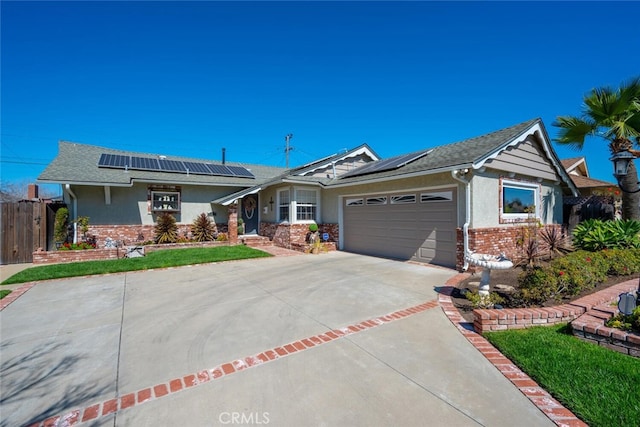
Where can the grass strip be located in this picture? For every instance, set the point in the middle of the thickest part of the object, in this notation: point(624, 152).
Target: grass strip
point(599, 385)
point(157, 259)
point(4, 293)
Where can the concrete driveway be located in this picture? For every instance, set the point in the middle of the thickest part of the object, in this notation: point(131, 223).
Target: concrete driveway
point(330, 340)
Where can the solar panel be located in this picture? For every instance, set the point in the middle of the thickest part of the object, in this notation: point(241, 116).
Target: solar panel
point(152, 164)
point(197, 168)
point(220, 170)
point(114, 161)
point(240, 171)
point(144, 163)
point(172, 166)
point(385, 165)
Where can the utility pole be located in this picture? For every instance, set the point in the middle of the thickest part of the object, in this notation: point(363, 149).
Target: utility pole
point(287, 148)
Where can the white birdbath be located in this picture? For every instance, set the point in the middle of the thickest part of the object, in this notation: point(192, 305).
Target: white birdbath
point(488, 263)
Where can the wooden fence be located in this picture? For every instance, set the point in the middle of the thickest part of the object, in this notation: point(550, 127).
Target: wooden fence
point(23, 229)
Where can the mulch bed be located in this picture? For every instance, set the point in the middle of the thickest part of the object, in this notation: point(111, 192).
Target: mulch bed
point(505, 282)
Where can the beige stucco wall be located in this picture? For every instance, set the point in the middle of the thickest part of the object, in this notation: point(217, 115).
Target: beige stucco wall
point(485, 200)
point(129, 204)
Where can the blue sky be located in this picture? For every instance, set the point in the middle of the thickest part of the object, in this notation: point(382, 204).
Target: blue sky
point(189, 78)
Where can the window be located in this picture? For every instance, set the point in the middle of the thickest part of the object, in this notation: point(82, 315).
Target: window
point(165, 201)
point(403, 199)
point(355, 202)
point(519, 200)
point(306, 205)
point(379, 200)
point(283, 205)
point(442, 196)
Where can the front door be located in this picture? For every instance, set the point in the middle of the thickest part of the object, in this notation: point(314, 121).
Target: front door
point(249, 208)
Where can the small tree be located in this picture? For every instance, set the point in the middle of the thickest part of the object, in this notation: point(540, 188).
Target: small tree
point(60, 226)
point(166, 230)
point(202, 228)
point(83, 223)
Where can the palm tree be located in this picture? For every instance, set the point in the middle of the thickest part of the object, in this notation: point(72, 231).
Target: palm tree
point(613, 115)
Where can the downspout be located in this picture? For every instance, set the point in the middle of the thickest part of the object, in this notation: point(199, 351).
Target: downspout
point(75, 212)
point(465, 227)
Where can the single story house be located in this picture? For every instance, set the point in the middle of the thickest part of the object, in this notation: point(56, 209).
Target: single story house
point(429, 206)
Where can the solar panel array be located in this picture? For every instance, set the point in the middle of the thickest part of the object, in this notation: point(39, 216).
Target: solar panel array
point(385, 165)
point(118, 161)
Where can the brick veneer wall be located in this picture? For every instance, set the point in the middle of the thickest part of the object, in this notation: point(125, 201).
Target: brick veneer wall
point(131, 234)
point(59, 257)
point(496, 240)
point(294, 236)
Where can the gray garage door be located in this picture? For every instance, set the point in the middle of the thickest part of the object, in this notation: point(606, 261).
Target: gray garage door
point(419, 225)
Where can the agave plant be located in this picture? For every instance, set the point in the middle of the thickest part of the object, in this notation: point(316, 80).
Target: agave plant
point(595, 234)
point(166, 230)
point(202, 228)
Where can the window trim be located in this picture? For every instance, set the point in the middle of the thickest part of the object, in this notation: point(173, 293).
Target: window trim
point(519, 185)
point(279, 201)
point(294, 206)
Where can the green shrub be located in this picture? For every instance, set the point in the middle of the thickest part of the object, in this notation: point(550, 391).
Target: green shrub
point(478, 301)
point(60, 225)
point(573, 273)
point(621, 262)
point(536, 286)
point(166, 230)
point(595, 235)
point(579, 271)
point(202, 228)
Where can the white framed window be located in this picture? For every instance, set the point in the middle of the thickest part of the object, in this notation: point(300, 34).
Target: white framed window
point(377, 200)
point(403, 199)
point(519, 201)
point(306, 205)
point(284, 200)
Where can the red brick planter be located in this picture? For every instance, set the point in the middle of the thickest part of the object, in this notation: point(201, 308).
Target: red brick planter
point(587, 316)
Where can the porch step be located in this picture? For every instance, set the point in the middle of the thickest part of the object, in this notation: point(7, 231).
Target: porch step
point(255, 241)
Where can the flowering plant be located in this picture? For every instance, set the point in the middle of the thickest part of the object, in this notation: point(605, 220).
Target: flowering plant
point(77, 246)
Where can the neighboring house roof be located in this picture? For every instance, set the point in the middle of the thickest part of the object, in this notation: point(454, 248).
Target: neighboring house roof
point(585, 182)
point(576, 166)
point(78, 164)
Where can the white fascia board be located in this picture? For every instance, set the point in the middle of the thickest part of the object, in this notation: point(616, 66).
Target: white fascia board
point(363, 150)
point(89, 184)
point(308, 183)
point(403, 176)
point(239, 195)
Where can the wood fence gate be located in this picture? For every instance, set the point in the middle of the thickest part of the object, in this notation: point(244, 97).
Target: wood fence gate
point(23, 230)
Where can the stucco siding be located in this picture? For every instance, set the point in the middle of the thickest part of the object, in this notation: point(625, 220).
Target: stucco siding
point(129, 204)
point(485, 200)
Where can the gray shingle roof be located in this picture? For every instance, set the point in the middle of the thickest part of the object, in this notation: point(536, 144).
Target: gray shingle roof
point(78, 164)
point(456, 155)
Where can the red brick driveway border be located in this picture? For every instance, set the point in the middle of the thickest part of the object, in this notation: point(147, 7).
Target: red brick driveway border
point(553, 409)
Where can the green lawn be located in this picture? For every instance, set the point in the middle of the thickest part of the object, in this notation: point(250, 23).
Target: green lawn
point(4, 293)
point(599, 385)
point(157, 259)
